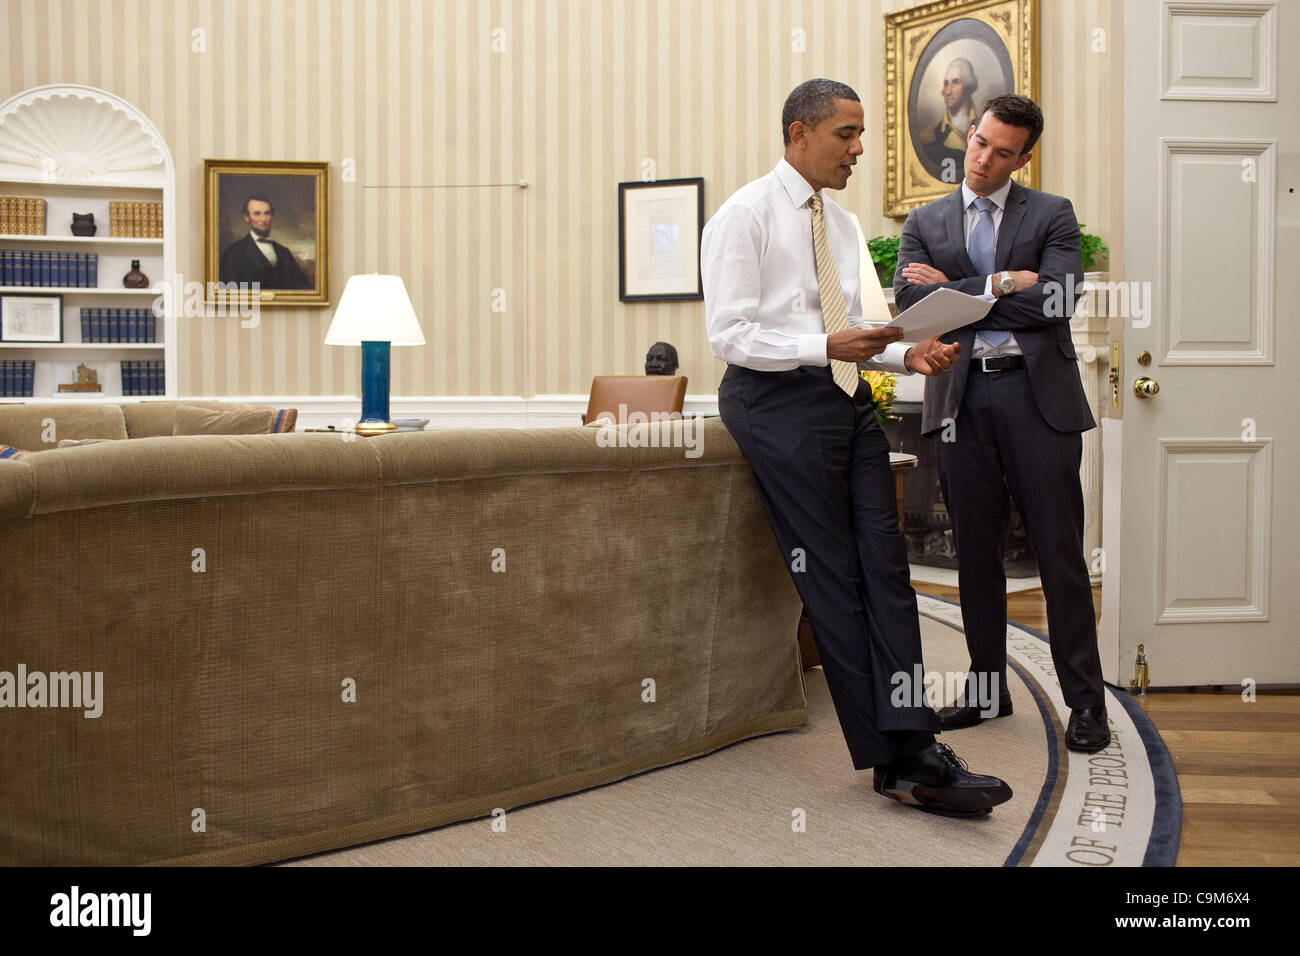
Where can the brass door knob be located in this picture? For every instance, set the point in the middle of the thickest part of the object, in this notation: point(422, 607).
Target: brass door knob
point(1146, 387)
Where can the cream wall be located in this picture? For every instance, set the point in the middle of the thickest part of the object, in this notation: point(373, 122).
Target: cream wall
point(413, 95)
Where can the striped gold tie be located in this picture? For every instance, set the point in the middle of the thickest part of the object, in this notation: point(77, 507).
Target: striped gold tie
point(834, 315)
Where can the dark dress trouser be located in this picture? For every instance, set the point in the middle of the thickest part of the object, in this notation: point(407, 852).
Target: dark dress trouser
point(821, 462)
point(1003, 444)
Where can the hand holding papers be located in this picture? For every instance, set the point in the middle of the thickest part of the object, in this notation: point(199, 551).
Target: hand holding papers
point(939, 312)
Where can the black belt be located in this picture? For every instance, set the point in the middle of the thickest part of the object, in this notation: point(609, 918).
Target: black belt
point(1003, 363)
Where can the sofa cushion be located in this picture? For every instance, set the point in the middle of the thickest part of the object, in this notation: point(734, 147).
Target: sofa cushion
point(39, 426)
point(194, 420)
point(151, 419)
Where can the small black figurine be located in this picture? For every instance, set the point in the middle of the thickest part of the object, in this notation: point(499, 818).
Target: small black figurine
point(661, 359)
point(83, 224)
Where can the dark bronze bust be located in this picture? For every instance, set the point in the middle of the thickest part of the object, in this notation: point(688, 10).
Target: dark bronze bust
point(661, 359)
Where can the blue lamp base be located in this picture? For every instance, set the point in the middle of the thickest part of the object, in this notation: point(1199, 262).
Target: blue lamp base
point(374, 390)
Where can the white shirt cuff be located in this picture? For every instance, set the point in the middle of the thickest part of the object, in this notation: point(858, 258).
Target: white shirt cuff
point(812, 349)
point(893, 356)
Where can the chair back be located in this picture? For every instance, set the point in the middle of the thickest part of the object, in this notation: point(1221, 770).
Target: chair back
point(620, 395)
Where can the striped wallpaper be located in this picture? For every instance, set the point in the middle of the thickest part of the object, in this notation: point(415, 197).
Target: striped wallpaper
point(443, 106)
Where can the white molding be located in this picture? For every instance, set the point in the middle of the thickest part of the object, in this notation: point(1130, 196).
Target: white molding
point(1264, 152)
point(1258, 456)
point(1265, 89)
point(448, 411)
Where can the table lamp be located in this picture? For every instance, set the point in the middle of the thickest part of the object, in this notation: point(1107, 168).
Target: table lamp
point(375, 313)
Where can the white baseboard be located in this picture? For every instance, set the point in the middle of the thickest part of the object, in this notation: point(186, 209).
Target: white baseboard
point(456, 411)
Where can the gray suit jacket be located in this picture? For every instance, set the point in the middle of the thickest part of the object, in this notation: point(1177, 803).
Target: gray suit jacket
point(1038, 233)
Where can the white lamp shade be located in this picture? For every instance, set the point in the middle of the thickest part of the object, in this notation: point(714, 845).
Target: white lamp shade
point(374, 308)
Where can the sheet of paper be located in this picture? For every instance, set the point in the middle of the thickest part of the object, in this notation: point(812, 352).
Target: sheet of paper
point(941, 311)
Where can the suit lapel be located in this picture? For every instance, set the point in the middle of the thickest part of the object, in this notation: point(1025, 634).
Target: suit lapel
point(954, 215)
point(1012, 216)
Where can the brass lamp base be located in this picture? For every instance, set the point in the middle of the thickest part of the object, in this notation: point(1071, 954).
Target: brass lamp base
point(370, 429)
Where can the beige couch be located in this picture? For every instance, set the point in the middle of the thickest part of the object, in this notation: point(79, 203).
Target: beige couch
point(307, 642)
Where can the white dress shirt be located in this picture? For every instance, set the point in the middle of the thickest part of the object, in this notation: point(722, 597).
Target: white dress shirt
point(981, 348)
point(761, 299)
point(264, 246)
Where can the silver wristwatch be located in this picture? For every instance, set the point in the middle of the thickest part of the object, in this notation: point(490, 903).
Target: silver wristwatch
point(1006, 283)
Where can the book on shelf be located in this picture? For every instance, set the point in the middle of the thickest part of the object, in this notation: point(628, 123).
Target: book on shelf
point(22, 216)
point(135, 220)
point(143, 377)
point(17, 377)
point(48, 270)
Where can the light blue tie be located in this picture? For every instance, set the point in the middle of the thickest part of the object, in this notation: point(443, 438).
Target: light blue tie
point(983, 239)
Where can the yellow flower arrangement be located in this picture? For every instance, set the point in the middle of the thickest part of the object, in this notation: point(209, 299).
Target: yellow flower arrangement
point(882, 392)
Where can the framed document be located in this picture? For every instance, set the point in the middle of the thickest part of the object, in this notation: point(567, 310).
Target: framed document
point(659, 228)
point(31, 318)
point(943, 62)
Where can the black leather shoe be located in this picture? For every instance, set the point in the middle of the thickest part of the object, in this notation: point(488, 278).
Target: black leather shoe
point(936, 780)
point(961, 715)
point(1088, 730)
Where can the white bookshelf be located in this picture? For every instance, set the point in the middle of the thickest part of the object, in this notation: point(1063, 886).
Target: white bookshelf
point(79, 148)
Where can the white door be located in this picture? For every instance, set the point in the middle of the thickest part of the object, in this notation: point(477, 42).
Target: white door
point(1209, 558)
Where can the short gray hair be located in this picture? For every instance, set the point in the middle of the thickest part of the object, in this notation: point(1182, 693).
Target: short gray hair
point(967, 73)
point(811, 102)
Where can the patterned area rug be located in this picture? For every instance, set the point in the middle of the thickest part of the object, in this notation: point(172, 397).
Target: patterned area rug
point(1118, 807)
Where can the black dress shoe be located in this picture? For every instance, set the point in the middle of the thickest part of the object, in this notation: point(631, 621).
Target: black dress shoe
point(1088, 730)
point(962, 715)
point(936, 780)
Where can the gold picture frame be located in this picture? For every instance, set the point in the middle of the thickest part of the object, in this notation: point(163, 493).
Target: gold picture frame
point(292, 199)
point(990, 47)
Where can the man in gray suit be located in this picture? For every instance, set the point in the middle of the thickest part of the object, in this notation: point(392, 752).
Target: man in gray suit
point(1010, 415)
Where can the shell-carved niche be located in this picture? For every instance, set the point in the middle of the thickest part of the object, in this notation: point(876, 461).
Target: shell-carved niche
point(69, 133)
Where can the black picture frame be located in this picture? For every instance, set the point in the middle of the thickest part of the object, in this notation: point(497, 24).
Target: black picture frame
point(677, 200)
point(7, 305)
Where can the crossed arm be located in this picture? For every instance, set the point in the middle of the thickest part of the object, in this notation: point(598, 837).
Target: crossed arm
point(1042, 297)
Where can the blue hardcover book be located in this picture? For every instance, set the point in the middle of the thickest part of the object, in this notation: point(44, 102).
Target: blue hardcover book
point(79, 269)
point(84, 315)
point(115, 325)
point(65, 269)
point(96, 324)
point(150, 326)
point(93, 265)
point(47, 269)
point(5, 377)
point(29, 379)
point(4, 267)
point(128, 377)
point(162, 377)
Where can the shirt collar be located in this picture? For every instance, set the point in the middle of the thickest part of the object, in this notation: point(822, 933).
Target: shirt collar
point(998, 198)
point(796, 187)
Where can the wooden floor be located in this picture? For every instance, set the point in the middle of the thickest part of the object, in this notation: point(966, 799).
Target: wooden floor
point(1238, 763)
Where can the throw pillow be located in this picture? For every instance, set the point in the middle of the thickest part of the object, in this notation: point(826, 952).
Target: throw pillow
point(11, 453)
point(195, 420)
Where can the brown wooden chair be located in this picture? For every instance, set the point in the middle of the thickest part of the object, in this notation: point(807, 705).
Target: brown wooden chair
point(620, 395)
